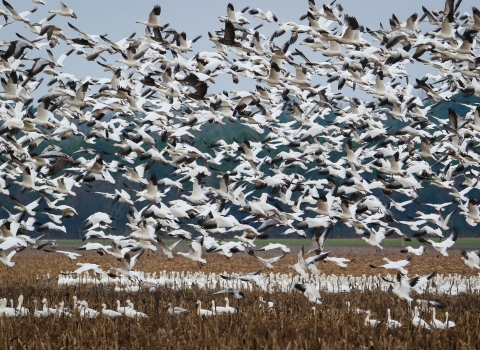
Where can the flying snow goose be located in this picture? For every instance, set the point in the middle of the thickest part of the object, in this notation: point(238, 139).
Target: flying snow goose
point(253, 277)
point(271, 246)
point(7, 259)
point(404, 286)
point(267, 262)
point(442, 247)
point(471, 259)
point(417, 251)
point(375, 238)
point(395, 265)
point(423, 281)
point(153, 19)
point(236, 293)
point(167, 250)
point(84, 267)
point(21, 17)
point(64, 11)
point(70, 255)
point(266, 16)
point(312, 294)
point(195, 252)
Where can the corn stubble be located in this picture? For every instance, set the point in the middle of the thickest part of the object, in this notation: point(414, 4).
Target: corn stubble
point(292, 324)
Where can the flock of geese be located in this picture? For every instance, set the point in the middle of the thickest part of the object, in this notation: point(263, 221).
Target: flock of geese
point(321, 159)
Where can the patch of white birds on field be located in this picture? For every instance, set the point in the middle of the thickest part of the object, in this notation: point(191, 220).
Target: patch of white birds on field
point(370, 161)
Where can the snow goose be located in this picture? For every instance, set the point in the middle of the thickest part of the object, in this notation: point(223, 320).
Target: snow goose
point(417, 251)
point(21, 311)
point(87, 267)
point(396, 265)
point(271, 246)
point(195, 252)
point(267, 262)
point(417, 321)
point(5, 310)
point(21, 17)
point(86, 312)
point(109, 313)
point(70, 255)
point(253, 277)
point(375, 238)
point(266, 16)
point(392, 323)
point(270, 304)
point(448, 324)
point(153, 19)
point(203, 312)
point(404, 286)
point(471, 259)
point(132, 313)
point(167, 250)
point(312, 294)
point(7, 259)
point(442, 247)
point(176, 310)
point(236, 293)
point(437, 323)
point(39, 313)
point(423, 281)
point(370, 322)
point(64, 11)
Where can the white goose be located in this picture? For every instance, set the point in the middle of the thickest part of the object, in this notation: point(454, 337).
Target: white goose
point(176, 310)
point(392, 323)
point(195, 252)
point(109, 313)
point(21, 311)
point(203, 312)
point(370, 322)
point(64, 11)
point(417, 321)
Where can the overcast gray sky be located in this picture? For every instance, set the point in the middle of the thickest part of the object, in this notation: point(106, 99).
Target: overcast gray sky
point(117, 19)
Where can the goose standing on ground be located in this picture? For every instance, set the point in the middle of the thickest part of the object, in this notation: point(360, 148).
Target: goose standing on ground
point(417, 321)
point(110, 313)
point(392, 323)
point(203, 312)
point(176, 310)
point(370, 322)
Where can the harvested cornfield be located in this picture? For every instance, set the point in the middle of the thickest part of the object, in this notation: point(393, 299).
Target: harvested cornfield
point(293, 322)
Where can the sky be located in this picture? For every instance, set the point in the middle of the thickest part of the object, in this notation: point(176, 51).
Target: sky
point(117, 19)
